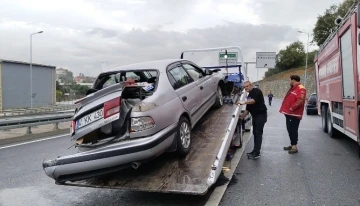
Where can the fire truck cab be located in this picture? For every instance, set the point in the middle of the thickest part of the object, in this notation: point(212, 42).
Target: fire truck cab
point(337, 77)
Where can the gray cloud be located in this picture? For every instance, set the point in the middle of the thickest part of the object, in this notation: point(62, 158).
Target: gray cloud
point(107, 33)
point(80, 36)
point(86, 54)
point(297, 13)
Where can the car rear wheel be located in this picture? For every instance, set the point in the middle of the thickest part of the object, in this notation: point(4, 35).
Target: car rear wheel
point(219, 101)
point(183, 136)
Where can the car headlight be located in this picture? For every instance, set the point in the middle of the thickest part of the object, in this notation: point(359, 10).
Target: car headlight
point(143, 107)
point(139, 124)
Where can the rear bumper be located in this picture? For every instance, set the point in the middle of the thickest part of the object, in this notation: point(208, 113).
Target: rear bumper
point(311, 107)
point(115, 155)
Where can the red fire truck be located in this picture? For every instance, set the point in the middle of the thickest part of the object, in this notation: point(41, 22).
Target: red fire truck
point(337, 78)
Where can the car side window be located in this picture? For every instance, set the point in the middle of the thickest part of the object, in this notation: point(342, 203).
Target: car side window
point(132, 75)
point(180, 76)
point(173, 82)
point(193, 71)
point(111, 81)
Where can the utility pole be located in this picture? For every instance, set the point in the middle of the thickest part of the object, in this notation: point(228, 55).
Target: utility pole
point(31, 84)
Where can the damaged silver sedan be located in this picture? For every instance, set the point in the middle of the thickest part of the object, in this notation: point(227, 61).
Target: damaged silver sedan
point(135, 113)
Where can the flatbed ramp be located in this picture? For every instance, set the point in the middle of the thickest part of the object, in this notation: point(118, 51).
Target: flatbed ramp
point(168, 173)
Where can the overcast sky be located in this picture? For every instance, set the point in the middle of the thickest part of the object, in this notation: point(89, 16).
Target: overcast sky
point(81, 34)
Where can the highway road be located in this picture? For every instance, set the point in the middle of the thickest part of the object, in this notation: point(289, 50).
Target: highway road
point(325, 172)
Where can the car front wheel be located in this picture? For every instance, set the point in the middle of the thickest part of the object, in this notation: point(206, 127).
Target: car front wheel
point(183, 136)
point(219, 101)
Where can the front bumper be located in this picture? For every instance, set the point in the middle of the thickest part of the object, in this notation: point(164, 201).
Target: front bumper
point(103, 160)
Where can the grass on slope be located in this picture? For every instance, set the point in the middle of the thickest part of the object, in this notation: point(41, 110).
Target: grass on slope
point(286, 74)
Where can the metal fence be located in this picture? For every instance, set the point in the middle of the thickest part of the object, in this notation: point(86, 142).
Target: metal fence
point(37, 110)
point(36, 120)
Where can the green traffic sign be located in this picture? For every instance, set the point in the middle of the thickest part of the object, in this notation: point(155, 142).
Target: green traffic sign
point(229, 55)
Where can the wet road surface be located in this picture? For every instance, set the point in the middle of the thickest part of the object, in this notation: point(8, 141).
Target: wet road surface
point(325, 172)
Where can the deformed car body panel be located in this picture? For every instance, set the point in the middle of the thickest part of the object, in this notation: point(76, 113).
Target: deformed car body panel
point(112, 155)
point(170, 174)
point(128, 147)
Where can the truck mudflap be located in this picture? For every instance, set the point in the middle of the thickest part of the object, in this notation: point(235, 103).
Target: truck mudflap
point(168, 173)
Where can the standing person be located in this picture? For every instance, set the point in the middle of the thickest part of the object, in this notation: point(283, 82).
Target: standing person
point(293, 109)
point(255, 105)
point(270, 96)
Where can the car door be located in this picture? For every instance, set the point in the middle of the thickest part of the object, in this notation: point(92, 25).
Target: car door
point(206, 85)
point(187, 90)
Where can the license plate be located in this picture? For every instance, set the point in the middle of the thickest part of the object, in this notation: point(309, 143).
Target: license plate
point(90, 118)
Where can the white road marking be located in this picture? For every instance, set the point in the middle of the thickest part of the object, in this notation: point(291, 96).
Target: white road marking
point(39, 140)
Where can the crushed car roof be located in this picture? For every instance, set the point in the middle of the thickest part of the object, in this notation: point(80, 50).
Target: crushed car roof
point(158, 64)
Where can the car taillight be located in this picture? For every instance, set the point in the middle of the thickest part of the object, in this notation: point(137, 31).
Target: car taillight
point(112, 107)
point(73, 124)
point(141, 123)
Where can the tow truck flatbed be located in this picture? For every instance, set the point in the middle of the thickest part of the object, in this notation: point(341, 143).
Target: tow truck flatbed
point(194, 174)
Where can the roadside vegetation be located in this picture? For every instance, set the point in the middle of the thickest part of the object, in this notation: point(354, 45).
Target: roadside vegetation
point(294, 55)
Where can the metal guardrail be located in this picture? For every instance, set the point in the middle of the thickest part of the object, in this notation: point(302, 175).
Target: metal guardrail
point(35, 111)
point(31, 121)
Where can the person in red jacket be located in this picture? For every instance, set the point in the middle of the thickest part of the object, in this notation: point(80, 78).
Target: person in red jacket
point(293, 108)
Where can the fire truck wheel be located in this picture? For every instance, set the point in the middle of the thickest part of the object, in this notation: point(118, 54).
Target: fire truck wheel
point(324, 118)
point(331, 130)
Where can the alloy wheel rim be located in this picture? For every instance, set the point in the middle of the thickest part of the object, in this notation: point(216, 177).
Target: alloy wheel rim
point(220, 96)
point(185, 135)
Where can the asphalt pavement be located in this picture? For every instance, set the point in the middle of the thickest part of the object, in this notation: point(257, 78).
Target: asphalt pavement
point(325, 172)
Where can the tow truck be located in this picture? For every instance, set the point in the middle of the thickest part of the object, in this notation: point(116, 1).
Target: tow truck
point(337, 78)
point(215, 139)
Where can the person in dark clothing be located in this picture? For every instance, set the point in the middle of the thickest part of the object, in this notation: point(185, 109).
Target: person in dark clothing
point(270, 96)
point(255, 105)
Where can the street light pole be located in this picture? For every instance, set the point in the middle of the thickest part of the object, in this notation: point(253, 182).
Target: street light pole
point(307, 53)
point(31, 84)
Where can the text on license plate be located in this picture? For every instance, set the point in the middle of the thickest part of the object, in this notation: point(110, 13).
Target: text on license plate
point(90, 118)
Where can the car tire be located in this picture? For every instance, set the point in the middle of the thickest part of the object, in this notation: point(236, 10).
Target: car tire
point(183, 137)
point(324, 118)
point(331, 130)
point(219, 100)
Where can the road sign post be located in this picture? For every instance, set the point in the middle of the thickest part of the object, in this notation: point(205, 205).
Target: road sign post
point(265, 60)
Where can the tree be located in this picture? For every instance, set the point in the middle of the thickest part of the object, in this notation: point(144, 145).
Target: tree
point(311, 56)
point(80, 89)
point(345, 6)
point(291, 57)
point(326, 23)
point(59, 95)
